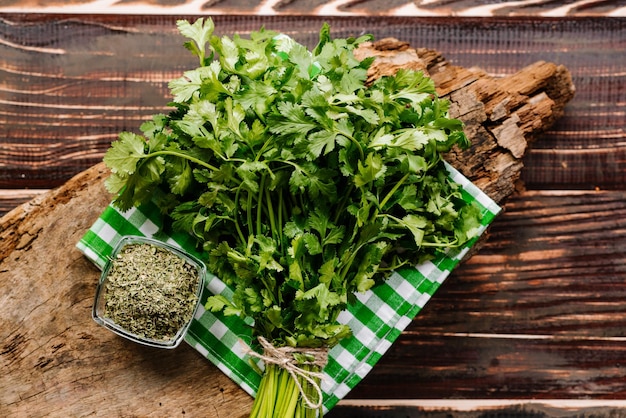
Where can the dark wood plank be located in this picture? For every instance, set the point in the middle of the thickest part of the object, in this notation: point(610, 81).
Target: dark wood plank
point(467, 367)
point(554, 264)
point(72, 82)
point(327, 7)
point(537, 313)
point(469, 409)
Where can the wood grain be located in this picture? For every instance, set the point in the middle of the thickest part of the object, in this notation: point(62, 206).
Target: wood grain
point(325, 7)
point(72, 83)
point(56, 360)
point(30, 236)
point(479, 409)
point(536, 314)
point(502, 116)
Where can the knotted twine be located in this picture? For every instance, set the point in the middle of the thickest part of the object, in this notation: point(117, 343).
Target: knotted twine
point(283, 357)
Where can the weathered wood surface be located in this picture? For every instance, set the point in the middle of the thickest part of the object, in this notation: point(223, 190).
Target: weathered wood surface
point(55, 360)
point(503, 116)
point(555, 259)
point(325, 7)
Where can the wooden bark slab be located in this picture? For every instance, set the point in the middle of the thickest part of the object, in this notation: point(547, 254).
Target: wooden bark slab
point(56, 360)
point(502, 116)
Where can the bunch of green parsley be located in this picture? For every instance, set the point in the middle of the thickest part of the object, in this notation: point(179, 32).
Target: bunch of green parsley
point(302, 183)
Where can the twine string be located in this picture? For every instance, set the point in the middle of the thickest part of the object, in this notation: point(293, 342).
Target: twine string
point(283, 357)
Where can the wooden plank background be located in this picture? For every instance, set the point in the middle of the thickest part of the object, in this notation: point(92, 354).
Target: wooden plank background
point(538, 314)
point(427, 8)
point(71, 83)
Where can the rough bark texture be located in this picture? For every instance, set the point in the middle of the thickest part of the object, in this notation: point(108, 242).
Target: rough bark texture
point(502, 116)
point(57, 361)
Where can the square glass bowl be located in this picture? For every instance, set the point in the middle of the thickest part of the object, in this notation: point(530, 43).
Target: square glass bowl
point(146, 287)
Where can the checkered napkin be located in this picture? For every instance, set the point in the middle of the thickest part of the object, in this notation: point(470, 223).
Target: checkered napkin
point(376, 319)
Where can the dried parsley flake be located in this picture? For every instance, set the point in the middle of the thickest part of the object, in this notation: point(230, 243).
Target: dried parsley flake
point(151, 292)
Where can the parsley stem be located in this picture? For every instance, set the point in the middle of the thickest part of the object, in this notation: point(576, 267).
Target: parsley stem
point(347, 267)
point(281, 208)
point(294, 165)
point(356, 144)
point(341, 206)
point(392, 191)
point(236, 218)
point(452, 244)
point(393, 267)
point(270, 215)
point(182, 155)
point(259, 208)
point(249, 214)
point(279, 395)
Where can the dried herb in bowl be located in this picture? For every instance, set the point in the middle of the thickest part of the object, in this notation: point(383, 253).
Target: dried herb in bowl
point(302, 183)
point(148, 292)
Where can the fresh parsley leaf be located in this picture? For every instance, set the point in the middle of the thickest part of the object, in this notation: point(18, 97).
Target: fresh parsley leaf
point(199, 33)
point(125, 153)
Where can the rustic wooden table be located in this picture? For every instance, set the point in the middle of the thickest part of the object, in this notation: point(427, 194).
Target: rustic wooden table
point(532, 325)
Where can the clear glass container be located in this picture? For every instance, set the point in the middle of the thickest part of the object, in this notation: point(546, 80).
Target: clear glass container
point(106, 287)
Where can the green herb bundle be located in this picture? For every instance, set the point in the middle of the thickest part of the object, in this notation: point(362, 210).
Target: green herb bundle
point(302, 183)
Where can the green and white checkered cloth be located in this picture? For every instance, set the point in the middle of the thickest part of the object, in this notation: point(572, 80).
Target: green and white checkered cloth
point(376, 319)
